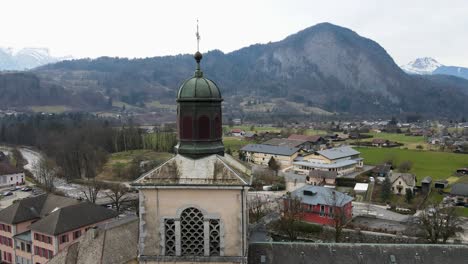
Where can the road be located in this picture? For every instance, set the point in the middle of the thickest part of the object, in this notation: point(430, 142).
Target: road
point(377, 211)
point(69, 189)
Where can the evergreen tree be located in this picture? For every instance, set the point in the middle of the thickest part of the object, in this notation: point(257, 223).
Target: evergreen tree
point(409, 195)
point(386, 192)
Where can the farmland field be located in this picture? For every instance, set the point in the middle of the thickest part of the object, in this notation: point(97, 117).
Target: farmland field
point(438, 165)
point(122, 162)
point(408, 141)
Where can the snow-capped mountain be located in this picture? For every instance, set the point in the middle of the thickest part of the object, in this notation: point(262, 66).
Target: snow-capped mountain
point(26, 58)
point(431, 66)
point(424, 65)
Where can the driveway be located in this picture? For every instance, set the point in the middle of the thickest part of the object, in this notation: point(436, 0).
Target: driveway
point(377, 211)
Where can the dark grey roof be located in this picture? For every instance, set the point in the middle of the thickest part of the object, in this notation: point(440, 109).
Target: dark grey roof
point(408, 178)
point(268, 149)
point(72, 217)
point(344, 253)
point(315, 195)
point(33, 208)
point(292, 143)
point(427, 179)
point(115, 243)
point(460, 189)
point(338, 153)
point(25, 236)
point(382, 168)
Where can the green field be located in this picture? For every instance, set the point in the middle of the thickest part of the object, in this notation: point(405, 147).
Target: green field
point(409, 141)
point(56, 109)
point(235, 143)
point(438, 165)
point(124, 160)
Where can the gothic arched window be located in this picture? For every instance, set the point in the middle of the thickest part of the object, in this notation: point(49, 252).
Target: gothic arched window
point(203, 127)
point(192, 233)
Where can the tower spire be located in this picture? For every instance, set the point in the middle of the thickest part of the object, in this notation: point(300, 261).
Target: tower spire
point(198, 38)
point(198, 56)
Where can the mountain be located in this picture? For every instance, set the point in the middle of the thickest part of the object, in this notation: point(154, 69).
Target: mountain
point(424, 65)
point(431, 66)
point(321, 70)
point(25, 59)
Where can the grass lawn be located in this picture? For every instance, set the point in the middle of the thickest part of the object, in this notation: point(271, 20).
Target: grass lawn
point(438, 165)
point(462, 211)
point(235, 143)
point(256, 128)
point(409, 141)
point(56, 109)
point(125, 158)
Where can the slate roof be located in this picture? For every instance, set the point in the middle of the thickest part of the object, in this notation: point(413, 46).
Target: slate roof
point(408, 178)
point(315, 195)
point(382, 168)
point(113, 243)
point(338, 153)
point(347, 253)
point(284, 142)
point(314, 138)
point(209, 170)
point(72, 217)
point(427, 180)
point(33, 208)
point(268, 149)
point(460, 189)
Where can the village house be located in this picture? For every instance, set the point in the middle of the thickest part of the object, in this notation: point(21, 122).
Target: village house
point(250, 135)
point(321, 178)
point(237, 132)
point(342, 160)
point(315, 142)
point(460, 192)
point(10, 175)
point(402, 182)
point(379, 142)
point(35, 229)
point(261, 154)
point(323, 205)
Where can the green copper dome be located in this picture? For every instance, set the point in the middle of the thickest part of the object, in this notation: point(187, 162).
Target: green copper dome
point(198, 87)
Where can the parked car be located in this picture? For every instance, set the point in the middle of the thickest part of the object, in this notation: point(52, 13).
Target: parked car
point(7, 193)
point(14, 189)
point(26, 189)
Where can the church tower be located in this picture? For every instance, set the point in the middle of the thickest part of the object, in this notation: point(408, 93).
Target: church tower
point(193, 207)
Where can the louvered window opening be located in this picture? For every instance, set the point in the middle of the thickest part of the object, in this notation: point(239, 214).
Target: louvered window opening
point(191, 241)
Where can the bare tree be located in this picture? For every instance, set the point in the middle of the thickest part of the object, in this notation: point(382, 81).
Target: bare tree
point(117, 194)
point(46, 172)
point(92, 189)
point(258, 208)
point(338, 213)
point(440, 223)
point(291, 213)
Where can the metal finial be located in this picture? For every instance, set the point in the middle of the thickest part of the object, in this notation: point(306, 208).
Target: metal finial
point(198, 56)
point(198, 38)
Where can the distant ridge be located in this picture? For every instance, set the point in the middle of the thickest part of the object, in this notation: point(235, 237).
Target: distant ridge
point(322, 70)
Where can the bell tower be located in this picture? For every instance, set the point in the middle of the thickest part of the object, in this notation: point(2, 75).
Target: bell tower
point(199, 116)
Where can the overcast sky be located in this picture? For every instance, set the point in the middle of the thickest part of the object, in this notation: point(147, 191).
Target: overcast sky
point(137, 28)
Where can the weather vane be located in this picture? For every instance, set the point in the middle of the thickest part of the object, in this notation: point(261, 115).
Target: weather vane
point(198, 38)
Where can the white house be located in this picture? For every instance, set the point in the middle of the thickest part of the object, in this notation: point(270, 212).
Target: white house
point(401, 182)
point(12, 179)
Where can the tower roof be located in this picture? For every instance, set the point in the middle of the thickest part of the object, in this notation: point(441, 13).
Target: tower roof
point(198, 88)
